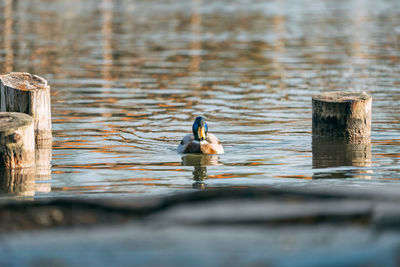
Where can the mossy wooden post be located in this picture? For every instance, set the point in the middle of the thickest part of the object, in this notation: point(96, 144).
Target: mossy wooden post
point(342, 115)
point(17, 140)
point(30, 94)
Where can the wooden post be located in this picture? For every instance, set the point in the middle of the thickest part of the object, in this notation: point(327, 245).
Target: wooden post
point(341, 127)
point(30, 94)
point(17, 140)
point(342, 115)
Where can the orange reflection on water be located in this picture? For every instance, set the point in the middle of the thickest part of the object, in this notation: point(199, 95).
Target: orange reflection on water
point(126, 85)
point(223, 176)
point(294, 176)
point(385, 155)
point(78, 188)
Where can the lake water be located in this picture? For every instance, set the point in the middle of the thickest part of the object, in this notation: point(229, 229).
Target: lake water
point(129, 77)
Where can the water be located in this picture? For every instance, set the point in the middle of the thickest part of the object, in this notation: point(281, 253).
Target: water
point(128, 78)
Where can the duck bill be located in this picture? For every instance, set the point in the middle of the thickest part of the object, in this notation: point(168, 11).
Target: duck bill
point(201, 133)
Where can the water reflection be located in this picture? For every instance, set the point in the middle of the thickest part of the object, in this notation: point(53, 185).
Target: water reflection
point(200, 163)
point(337, 153)
point(127, 78)
point(195, 45)
point(107, 33)
point(25, 183)
point(18, 183)
point(43, 154)
point(8, 35)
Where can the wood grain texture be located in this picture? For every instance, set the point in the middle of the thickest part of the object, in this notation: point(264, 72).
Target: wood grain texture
point(342, 115)
point(17, 140)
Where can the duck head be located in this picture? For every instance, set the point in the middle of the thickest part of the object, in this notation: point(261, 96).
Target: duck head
point(200, 129)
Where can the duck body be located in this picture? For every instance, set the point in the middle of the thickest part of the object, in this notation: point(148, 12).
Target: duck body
point(209, 146)
point(200, 141)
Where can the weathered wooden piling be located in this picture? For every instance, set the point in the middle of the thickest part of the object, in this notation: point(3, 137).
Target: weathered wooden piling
point(342, 115)
point(17, 140)
point(341, 127)
point(30, 94)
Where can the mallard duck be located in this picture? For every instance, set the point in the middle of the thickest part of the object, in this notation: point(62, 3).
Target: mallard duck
point(200, 141)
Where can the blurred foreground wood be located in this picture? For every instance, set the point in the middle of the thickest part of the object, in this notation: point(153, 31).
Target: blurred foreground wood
point(258, 226)
point(247, 206)
point(30, 94)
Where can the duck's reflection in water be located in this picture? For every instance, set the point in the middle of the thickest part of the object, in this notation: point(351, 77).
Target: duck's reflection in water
point(200, 163)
